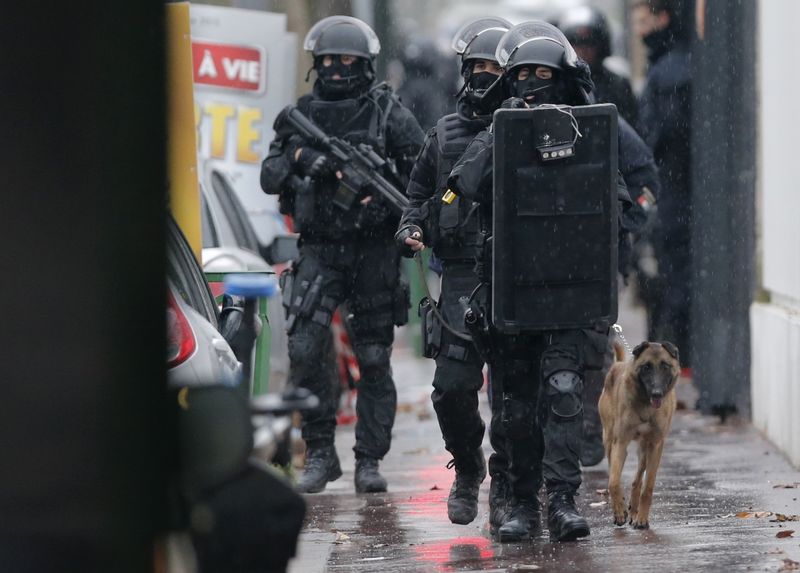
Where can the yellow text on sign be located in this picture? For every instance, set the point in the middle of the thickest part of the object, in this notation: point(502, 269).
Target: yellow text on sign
point(225, 117)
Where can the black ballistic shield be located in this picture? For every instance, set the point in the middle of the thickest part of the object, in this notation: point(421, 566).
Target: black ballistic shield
point(555, 218)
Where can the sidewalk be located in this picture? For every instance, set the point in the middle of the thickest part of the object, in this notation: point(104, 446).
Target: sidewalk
point(714, 483)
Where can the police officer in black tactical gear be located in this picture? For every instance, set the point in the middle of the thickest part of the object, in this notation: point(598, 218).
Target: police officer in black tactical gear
point(449, 225)
point(587, 30)
point(345, 253)
point(542, 374)
point(423, 90)
point(666, 124)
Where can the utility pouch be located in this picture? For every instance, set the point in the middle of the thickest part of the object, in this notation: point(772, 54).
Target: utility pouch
point(344, 198)
point(286, 282)
point(431, 329)
point(303, 203)
point(298, 295)
point(309, 302)
point(478, 328)
point(401, 302)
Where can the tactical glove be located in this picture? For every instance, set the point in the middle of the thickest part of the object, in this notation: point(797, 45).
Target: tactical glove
point(315, 164)
point(407, 232)
point(514, 103)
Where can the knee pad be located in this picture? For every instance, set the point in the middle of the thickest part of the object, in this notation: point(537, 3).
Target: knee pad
point(519, 417)
point(565, 394)
point(373, 360)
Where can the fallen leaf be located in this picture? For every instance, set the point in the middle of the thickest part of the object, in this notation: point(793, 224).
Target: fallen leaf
point(776, 551)
point(786, 485)
point(601, 491)
point(598, 504)
point(784, 534)
point(745, 514)
point(342, 538)
point(790, 565)
point(782, 517)
point(435, 488)
point(405, 407)
point(417, 451)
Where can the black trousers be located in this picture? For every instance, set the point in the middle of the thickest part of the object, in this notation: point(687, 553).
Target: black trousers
point(537, 425)
point(366, 275)
point(459, 369)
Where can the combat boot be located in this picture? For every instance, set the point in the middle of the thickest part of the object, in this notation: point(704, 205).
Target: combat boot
point(462, 504)
point(322, 466)
point(522, 521)
point(563, 519)
point(499, 502)
point(367, 478)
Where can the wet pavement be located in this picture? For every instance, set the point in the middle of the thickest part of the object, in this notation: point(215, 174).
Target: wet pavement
point(720, 493)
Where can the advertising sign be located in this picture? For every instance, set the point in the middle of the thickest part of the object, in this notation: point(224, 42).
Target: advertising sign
point(243, 67)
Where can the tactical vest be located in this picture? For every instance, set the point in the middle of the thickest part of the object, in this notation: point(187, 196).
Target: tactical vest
point(358, 120)
point(458, 220)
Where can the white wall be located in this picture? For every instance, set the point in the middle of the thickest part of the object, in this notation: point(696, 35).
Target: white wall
point(775, 326)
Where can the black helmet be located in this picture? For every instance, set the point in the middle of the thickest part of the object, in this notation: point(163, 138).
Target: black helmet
point(535, 42)
point(539, 43)
point(586, 25)
point(419, 53)
point(478, 39)
point(342, 35)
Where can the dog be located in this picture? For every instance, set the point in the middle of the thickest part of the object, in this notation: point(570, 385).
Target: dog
point(637, 403)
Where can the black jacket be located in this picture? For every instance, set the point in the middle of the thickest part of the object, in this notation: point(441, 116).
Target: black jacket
point(446, 227)
point(665, 121)
point(613, 88)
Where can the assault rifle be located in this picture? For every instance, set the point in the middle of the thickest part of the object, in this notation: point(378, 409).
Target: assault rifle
point(360, 166)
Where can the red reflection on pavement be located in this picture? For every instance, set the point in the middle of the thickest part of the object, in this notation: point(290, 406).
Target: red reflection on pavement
point(453, 554)
point(431, 502)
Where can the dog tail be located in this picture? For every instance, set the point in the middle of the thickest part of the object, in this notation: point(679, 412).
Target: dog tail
point(619, 352)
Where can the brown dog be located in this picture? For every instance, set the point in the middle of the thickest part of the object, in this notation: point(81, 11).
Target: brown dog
point(637, 403)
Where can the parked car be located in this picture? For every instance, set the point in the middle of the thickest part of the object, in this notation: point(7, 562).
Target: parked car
point(197, 352)
point(230, 245)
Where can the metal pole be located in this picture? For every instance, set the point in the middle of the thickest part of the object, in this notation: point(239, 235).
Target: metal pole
point(723, 204)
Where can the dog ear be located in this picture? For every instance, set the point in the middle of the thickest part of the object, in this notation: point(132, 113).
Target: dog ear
point(671, 348)
point(640, 348)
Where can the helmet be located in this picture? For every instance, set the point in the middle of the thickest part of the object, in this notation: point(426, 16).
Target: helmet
point(539, 43)
point(478, 39)
point(419, 53)
point(535, 42)
point(342, 35)
point(586, 25)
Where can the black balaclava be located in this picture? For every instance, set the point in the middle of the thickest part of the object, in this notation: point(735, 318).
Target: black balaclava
point(659, 42)
point(535, 90)
point(354, 78)
point(475, 86)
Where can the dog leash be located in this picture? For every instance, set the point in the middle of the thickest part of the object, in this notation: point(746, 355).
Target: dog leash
point(618, 329)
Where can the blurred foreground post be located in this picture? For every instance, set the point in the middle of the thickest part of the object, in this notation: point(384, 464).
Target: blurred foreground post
point(83, 203)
